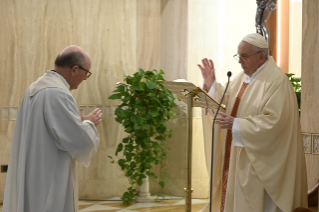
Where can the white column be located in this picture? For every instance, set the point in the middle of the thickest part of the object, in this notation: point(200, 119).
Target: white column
point(145, 195)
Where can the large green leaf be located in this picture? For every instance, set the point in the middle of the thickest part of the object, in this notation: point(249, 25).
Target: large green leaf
point(120, 112)
point(122, 164)
point(121, 88)
point(119, 148)
point(151, 85)
point(125, 140)
point(115, 96)
point(142, 86)
point(141, 71)
point(134, 118)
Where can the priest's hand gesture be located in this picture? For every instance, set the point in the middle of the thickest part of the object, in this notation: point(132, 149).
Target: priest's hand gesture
point(208, 73)
point(94, 116)
point(225, 122)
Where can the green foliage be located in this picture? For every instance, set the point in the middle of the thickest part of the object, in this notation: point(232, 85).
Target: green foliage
point(296, 84)
point(146, 107)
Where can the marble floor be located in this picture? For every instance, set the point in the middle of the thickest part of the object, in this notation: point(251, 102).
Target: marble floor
point(168, 204)
point(115, 205)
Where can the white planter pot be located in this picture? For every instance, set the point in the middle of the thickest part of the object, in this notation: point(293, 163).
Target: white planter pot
point(144, 195)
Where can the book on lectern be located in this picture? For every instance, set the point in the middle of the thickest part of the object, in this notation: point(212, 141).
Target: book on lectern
point(181, 88)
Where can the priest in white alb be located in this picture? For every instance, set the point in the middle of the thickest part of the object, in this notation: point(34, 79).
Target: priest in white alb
point(49, 137)
point(259, 161)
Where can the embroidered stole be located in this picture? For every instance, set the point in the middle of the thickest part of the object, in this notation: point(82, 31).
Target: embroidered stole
point(228, 143)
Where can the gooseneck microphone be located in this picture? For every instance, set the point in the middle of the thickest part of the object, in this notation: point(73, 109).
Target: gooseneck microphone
point(212, 153)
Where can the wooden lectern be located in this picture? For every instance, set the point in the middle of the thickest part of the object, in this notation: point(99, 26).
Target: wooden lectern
point(193, 96)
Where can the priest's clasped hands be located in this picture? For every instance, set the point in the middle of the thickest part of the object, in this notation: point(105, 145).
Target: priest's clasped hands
point(94, 116)
point(225, 122)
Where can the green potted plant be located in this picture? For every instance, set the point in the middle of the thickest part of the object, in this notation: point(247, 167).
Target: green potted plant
point(296, 84)
point(145, 107)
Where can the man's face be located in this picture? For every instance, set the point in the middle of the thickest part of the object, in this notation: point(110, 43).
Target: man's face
point(79, 75)
point(253, 61)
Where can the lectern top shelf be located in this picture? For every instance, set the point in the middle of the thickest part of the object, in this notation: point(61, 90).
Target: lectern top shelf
point(201, 97)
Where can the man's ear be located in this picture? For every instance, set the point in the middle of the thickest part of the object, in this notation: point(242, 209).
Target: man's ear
point(262, 56)
point(73, 69)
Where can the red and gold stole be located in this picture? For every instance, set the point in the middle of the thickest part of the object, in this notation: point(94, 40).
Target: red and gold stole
point(228, 143)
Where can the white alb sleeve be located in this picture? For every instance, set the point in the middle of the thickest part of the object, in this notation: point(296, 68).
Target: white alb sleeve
point(79, 139)
point(237, 141)
point(212, 90)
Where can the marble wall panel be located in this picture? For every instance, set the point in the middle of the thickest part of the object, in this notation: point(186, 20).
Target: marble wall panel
point(295, 38)
point(114, 107)
point(14, 113)
point(84, 108)
point(14, 54)
point(310, 79)
point(182, 111)
point(6, 133)
point(109, 35)
point(177, 162)
point(315, 144)
point(197, 112)
point(54, 31)
point(90, 108)
point(215, 29)
point(176, 111)
point(148, 30)
point(107, 111)
point(176, 166)
point(5, 112)
point(307, 142)
point(106, 188)
point(199, 172)
point(174, 38)
point(312, 170)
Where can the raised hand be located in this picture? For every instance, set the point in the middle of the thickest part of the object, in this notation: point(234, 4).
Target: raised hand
point(94, 116)
point(208, 73)
point(225, 122)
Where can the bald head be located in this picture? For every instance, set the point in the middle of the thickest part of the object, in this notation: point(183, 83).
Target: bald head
point(72, 55)
point(73, 63)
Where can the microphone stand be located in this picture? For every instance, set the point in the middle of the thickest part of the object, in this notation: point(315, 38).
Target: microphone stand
point(212, 153)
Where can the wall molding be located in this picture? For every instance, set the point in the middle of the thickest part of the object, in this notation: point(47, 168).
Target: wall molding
point(311, 143)
point(10, 113)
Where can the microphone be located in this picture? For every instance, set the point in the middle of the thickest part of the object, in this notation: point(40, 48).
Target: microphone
point(212, 153)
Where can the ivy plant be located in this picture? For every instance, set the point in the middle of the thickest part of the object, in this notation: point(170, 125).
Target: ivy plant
point(296, 84)
point(146, 105)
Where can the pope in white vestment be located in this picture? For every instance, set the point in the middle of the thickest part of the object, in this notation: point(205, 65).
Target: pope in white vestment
point(265, 169)
point(49, 138)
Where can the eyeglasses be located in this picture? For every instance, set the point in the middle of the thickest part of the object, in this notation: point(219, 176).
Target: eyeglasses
point(238, 57)
point(88, 73)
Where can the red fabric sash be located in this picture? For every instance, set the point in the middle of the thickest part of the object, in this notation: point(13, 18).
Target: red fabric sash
point(228, 143)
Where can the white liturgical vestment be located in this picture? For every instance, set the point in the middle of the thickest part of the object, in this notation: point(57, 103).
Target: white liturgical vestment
point(269, 158)
point(49, 137)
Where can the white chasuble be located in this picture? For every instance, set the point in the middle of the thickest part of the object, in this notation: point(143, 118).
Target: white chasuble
point(272, 159)
point(49, 137)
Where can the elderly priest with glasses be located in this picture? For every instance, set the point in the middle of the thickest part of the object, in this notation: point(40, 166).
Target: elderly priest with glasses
point(259, 162)
point(49, 137)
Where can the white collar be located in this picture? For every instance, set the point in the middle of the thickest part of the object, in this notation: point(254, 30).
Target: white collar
point(60, 77)
point(249, 79)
